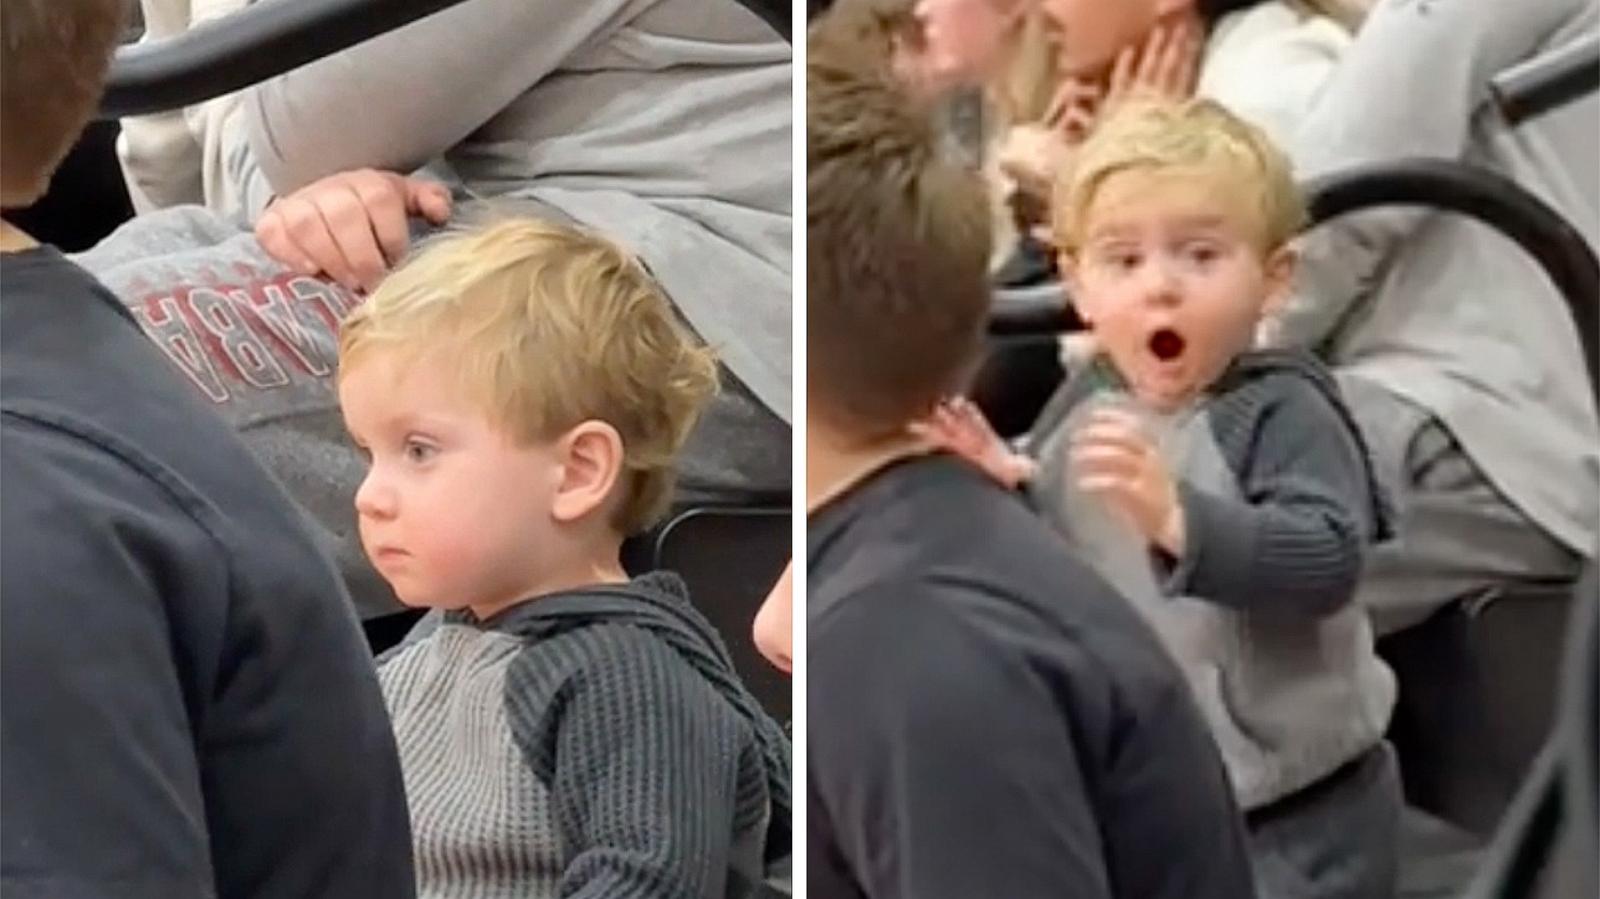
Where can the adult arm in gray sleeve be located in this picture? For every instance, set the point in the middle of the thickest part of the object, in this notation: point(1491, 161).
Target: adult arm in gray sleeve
point(1453, 47)
point(642, 758)
point(405, 97)
point(1294, 540)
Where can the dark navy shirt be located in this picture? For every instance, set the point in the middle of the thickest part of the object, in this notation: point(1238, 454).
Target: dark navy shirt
point(987, 718)
point(187, 707)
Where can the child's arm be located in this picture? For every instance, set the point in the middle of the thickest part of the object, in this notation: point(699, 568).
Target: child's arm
point(1295, 540)
point(642, 758)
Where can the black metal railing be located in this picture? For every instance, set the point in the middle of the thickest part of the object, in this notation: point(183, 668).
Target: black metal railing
point(266, 39)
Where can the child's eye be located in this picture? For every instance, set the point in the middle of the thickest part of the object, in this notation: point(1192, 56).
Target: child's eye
point(1121, 260)
point(418, 451)
point(1203, 254)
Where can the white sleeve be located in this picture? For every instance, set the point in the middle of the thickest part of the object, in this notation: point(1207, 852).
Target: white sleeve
point(1273, 80)
point(159, 155)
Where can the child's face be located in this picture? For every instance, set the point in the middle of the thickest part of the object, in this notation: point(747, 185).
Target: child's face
point(1172, 277)
point(452, 512)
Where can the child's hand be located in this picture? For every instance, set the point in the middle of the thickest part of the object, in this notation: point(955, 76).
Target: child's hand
point(1112, 458)
point(959, 426)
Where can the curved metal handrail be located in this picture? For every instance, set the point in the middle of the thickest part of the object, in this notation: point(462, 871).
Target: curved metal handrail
point(258, 42)
point(266, 39)
point(1493, 199)
point(1548, 81)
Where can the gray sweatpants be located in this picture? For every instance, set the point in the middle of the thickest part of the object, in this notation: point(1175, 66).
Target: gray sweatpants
point(1336, 839)
point(1456, 534)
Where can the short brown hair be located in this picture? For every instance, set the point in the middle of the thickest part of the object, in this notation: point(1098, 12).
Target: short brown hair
point(897, 246)
point(52, 72)
point(550, 326)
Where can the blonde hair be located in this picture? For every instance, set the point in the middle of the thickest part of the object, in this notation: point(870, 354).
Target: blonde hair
point(1193, 135)
point(549, 326)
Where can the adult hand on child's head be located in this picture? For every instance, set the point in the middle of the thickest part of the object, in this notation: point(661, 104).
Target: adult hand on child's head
point(1112, 458)
point(1166, 66)
point(959, 426)
point(351, 225)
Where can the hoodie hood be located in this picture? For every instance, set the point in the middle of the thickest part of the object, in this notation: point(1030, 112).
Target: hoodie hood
point(659, 603)
point(1257, 364)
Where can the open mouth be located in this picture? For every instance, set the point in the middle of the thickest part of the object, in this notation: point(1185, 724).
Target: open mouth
point(1166, 344)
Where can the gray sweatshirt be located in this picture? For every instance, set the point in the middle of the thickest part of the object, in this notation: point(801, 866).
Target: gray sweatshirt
point(1436, 307)
point(665, 124)
point(594, 744)
point(1278, 501)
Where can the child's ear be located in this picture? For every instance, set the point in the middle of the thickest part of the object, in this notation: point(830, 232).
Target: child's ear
point(591, 463)
point(1280, 269)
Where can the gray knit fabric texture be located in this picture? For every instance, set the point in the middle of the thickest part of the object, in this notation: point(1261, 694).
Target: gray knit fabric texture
point(555, 752)
point(1279, 501)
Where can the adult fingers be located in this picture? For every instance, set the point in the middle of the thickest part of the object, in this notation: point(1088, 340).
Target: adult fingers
point(383, 196)
point(349, 223)
point(428, 199)
point(309, 231)
point(272, 231)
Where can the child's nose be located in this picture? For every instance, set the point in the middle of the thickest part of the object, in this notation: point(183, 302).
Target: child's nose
point(1159, 286)
point(374, 498)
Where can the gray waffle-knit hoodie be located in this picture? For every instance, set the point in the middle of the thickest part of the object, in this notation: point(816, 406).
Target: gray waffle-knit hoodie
point(1279, 501)
point(593, 743)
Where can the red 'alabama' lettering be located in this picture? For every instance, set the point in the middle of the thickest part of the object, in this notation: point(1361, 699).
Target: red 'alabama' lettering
point(250, 359)
point(300, 331)
point(335, 299)
point(159, 317)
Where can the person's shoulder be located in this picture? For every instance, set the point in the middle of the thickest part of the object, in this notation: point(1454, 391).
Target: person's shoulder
point(615, 683)
point(59, 457)
point(1044, 614)
point(606, 661)
point(1277, 390)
